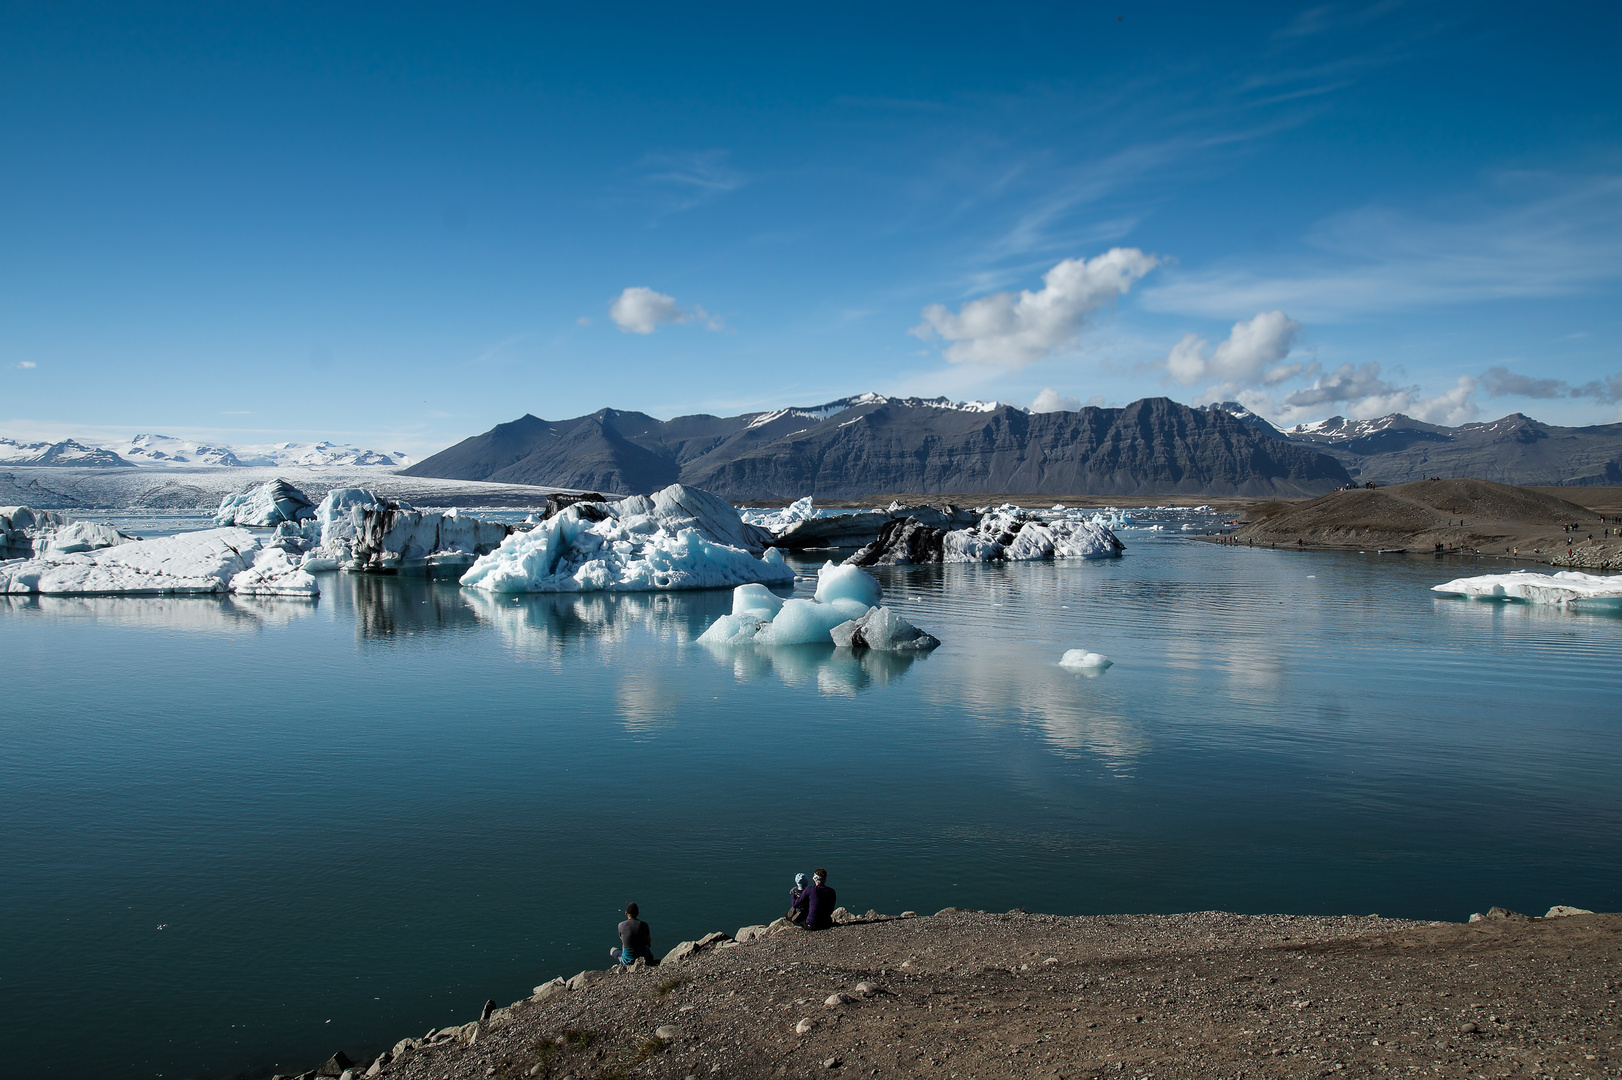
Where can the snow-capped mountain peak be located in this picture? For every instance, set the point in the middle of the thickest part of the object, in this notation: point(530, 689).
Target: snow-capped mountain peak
point(834, 408)
point(165, 451)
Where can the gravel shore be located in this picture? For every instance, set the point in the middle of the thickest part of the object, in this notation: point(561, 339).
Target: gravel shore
point(975, 994)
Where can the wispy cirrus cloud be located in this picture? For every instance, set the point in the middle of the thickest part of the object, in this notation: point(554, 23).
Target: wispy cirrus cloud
point(1532, 236)
point(682, 180)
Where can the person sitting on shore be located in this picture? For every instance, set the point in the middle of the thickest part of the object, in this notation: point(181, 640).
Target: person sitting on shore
point(818, 902)
point(795, 915)
point(636, 940)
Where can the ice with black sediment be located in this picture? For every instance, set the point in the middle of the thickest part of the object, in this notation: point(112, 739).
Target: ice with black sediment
point(677, 538)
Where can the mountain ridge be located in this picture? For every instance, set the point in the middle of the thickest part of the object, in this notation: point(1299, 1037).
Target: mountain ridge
point(1514, 449)
point(867, 443)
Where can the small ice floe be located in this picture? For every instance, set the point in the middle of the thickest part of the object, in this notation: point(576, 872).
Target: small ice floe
point(1085, 661)
point(1567, 587)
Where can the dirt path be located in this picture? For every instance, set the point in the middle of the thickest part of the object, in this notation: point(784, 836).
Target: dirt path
point(971, 994)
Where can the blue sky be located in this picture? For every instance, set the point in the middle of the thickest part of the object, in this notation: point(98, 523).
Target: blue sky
point(401, 224)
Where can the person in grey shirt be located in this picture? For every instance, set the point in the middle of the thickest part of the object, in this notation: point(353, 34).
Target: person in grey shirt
point(636, 940)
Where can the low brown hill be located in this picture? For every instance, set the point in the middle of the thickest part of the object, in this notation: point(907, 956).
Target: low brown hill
point(1457, 515)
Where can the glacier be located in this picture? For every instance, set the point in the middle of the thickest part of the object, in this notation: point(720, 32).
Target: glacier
point(1565, 588)
point(231, 560)
point(677, 538)
point(844, 611)
point(266, 505)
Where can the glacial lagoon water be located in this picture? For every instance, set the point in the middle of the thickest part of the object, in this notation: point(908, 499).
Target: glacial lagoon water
point(241, 834)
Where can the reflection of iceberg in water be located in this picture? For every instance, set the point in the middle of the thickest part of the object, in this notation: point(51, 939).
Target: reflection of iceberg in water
point(387, 607)
point(193, 614)
point(832, 670)
point(553, 622)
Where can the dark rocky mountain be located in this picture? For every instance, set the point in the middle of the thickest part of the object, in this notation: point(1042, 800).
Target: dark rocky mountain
point(1514, 450)
point(870, 444)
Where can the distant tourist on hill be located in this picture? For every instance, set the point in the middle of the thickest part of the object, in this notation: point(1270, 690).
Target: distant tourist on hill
point(818, 902)
point(635, 939)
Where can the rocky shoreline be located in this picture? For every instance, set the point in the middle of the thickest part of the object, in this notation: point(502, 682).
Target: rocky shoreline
point(978, 994)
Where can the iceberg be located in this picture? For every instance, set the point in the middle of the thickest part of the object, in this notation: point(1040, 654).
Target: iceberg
point(677, 538)
point(26, 533)
point(844, 611)
point(1564, 588)
point(271, 503)
point(1005, 534)
point(356, 529)
point(863, 526)
point(230, 560)
point(775, 521)
point(883, 629)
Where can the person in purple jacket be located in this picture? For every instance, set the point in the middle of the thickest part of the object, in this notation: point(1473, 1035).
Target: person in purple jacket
point(818, 902)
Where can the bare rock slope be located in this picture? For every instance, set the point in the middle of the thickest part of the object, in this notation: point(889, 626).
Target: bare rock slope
point(1446, 515)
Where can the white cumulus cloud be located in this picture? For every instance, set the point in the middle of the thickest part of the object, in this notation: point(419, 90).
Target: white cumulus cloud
point(1049, 400)
point(1252, 353)
point(640, 310)
point(26, 364)
point(1013, 329)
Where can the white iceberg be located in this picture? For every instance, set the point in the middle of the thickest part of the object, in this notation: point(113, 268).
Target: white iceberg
point(26, 533)
point(678, 538)
point(843, 612)
point(271, 503)
point(1566, 587)
point(777, 520)
point(212, 561)
point(1087, 661)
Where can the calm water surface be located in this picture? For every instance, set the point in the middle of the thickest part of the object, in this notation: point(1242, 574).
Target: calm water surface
point(238, 835)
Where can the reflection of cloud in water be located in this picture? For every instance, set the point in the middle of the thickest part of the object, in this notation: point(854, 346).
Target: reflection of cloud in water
point(646, 702)
point(196, 614)
point(833, 671)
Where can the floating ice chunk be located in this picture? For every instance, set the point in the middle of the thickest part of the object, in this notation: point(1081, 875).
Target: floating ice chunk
point(803, 622)
point(210, 561)
point(1003, 534)
point(778, 520)
point(883, 629)
point(27, 533)
point(735, 629)
point(1089, 661)
point(836, 582)
point(270, 503)
point(1567, 587)
point(756, 600)
point(679, 538)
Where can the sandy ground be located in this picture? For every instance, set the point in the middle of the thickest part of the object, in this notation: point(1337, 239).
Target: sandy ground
point(972, 994)
point(1448, 517)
